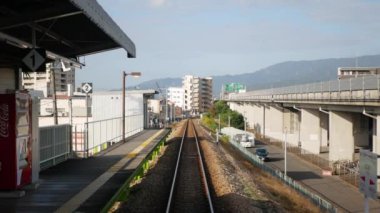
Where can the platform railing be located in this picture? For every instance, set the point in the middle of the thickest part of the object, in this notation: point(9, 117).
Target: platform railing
point(92, 137)
point(55, 144)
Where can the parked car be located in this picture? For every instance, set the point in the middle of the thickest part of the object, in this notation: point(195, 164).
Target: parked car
point(262, 154)
point(245, 140)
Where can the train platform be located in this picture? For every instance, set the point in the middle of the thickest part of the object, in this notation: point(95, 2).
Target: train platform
point(86, 185)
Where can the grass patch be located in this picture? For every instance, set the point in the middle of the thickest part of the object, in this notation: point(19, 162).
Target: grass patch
point(286, 197)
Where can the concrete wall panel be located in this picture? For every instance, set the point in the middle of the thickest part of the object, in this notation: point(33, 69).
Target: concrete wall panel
point(341, 136)
point(361, 130)
point(310, 130)
point(258, 118)
point(324, 127)
point(274, 122)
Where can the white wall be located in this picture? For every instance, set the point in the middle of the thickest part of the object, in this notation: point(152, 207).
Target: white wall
point(109, 105)
point(154, 105)
point(176, 95)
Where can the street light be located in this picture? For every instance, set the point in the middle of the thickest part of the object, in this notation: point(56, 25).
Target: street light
point(285, 152)
point(133, 74)
point(245, 123)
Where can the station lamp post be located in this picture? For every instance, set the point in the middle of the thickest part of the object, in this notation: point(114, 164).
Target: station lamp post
point(133, 74)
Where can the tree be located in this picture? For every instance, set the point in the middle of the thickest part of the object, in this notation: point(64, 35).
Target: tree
point(221, 107)
point(237, 120)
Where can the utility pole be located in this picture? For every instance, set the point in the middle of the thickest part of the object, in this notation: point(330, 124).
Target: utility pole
point(285, 152)
point(229, 121)
point(166, 108)
point(87, 108)
point(219, 123)
point(133, 74)
point(55, 114)
point(71, 110)
point(123, 107)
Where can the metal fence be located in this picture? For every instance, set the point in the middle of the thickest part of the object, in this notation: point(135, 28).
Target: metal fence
point(322, 203)
point(345, 169)
point(361, 88)
point(318, 200)
point(55, 145)
point(93, 137)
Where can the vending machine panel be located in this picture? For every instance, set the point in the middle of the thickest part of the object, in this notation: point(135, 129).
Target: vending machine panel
point(15, 141)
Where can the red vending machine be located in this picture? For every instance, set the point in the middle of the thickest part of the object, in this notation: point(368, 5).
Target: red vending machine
point(15, 141)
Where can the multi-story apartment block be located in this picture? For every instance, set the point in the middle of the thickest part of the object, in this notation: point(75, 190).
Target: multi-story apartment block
point(176, 96)
point(197, 94)
point(64, 81)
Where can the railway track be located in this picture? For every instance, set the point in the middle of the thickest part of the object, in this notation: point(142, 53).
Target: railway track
point(189, 190)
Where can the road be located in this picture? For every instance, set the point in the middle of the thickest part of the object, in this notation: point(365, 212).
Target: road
point(333, 188)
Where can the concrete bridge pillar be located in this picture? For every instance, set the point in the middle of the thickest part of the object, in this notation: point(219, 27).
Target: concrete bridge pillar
point(274, 122)
point(361, 131)
point(258, 111)
point(324, 124)
point(249, 114)
point(341, 136)
point(292, 126)
point(310, 131)
point(232, 105)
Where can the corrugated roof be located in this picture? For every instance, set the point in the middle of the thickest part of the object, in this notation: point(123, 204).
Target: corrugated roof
point(69, 28)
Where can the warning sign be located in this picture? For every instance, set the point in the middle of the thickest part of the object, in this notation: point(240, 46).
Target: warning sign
point(35, 60)
point(87, 88)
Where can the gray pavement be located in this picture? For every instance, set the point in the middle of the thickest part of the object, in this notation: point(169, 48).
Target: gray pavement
point(342, 194)
point(61, 183)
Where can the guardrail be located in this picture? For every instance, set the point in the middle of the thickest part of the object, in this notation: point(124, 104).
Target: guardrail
point(55, 145)
point(322, 203)
point(93, 137)
point(122, 194)
point(366, 88)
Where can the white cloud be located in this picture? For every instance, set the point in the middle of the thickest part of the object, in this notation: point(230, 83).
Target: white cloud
point(158, 3)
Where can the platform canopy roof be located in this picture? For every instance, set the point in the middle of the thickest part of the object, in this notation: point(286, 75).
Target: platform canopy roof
point(67, 28)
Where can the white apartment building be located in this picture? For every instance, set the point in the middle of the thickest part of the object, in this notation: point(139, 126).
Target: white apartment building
point(197, 94)
point(64, 81)
point(176, 95)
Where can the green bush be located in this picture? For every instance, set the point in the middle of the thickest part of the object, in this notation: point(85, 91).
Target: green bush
point(209, 122)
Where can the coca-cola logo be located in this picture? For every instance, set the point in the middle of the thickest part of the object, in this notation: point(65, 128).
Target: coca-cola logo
point(4, 118)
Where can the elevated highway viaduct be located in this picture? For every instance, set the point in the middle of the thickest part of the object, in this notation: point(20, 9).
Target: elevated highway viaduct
point(333, 119)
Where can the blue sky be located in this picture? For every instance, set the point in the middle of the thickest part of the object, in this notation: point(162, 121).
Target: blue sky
point(217, 37)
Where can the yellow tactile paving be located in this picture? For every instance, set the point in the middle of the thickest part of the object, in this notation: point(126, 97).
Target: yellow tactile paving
point(90, 189)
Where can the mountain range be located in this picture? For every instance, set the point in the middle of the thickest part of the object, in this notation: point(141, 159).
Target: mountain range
point(278, 75)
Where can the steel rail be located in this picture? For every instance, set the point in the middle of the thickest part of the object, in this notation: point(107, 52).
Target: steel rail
point(202, 170)
point(203, 173)
point(176, 169)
